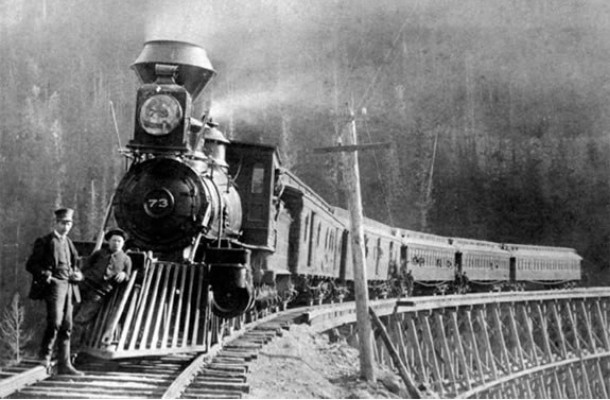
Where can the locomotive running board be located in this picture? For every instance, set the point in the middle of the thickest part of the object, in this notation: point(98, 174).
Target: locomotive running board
point(163, 309)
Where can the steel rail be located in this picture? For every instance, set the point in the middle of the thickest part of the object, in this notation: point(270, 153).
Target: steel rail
point(179, 384)
point(321, 318)
point(19, 381)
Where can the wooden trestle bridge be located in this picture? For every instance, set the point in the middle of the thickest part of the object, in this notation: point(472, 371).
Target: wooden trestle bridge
point(550, 344)
point(543, 344)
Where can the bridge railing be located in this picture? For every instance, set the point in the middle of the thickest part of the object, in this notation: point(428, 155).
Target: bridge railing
point(549, 344)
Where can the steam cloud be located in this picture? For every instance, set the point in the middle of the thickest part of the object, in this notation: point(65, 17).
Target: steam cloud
point(278, 53)
point(248, 43)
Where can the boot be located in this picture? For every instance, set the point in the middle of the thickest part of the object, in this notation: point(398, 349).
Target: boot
point(68, 369)
point(65, 366)
point(45, 354)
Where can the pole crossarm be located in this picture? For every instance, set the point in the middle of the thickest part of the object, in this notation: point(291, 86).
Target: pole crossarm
point(541, 344)
point(349, 148)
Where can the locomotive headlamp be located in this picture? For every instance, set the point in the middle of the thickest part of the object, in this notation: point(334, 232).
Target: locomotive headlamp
point(173, 74)
point(160, 114)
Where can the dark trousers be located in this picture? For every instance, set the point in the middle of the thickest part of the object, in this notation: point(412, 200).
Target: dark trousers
point(94, 295)
point(59, 320)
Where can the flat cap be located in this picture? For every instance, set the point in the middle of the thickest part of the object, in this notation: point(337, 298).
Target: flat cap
point(64, 214)
point(115, 231)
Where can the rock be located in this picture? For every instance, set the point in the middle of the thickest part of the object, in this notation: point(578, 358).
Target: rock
point(391, 382)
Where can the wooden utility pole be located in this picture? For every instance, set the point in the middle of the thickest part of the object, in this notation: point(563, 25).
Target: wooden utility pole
point(352, 173)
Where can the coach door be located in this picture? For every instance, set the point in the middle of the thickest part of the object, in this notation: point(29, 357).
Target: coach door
point(404, 261)
point(458, 263)
point(513, 269)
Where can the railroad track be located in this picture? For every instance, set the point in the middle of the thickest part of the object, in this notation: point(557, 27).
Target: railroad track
point(220, 373)
point(104, 379)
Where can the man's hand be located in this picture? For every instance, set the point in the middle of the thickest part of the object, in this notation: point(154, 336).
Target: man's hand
point(120, 277)
point(47, 276)
point(76, 276)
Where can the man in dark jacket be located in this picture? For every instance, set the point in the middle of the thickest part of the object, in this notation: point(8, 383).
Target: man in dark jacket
point(54, 261)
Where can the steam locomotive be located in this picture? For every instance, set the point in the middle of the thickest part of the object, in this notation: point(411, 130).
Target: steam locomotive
point(258, 235)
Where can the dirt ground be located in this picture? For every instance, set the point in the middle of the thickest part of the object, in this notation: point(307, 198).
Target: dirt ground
point(302, 364)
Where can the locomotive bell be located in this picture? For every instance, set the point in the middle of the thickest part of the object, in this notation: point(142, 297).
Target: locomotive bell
point(194, 68)
point(215, 144)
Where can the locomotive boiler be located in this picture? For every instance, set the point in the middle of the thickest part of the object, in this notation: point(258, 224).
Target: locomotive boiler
point(177, 199)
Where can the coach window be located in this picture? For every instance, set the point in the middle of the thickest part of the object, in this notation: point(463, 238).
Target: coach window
point(375, 252)
point(312, 221)
point(258, 178)
point(377, 256)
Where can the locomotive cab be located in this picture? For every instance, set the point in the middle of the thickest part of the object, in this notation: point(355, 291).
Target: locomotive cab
point(254, 168)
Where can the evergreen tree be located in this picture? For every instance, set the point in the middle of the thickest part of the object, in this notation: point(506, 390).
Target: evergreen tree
point(13, 335)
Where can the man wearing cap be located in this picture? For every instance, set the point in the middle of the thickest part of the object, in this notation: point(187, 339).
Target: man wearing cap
point(54, 261)
point(104, 270)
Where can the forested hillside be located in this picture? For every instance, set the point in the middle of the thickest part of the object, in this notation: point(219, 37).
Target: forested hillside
point(497, 111)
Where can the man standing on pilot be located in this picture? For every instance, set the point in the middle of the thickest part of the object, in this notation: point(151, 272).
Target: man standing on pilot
point(54, 265)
